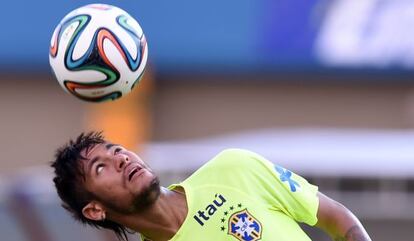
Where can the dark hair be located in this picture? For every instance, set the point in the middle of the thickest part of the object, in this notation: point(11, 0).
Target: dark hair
point(69, 177)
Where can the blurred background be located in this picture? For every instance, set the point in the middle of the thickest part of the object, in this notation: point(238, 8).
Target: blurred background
point(322, 87)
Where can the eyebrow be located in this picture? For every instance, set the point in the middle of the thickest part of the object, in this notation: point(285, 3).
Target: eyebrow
point(109, 145)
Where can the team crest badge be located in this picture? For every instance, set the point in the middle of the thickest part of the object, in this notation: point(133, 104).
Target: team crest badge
point(245, 227)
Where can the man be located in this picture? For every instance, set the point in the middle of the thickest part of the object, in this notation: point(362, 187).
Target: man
point(238, 195)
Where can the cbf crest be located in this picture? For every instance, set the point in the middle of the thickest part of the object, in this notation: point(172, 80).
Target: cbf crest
point(245, 227)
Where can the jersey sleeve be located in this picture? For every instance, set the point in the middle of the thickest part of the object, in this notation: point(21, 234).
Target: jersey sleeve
point(282, 189)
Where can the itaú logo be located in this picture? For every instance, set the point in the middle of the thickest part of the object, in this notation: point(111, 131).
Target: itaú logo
point(244, 227)
point(203, 216)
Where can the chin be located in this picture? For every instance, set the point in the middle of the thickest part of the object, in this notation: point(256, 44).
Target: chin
point(149, 195)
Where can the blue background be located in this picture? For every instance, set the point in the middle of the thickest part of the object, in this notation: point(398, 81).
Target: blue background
point(214, 35)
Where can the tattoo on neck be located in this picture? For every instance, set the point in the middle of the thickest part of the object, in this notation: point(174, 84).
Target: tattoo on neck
point(355, 233)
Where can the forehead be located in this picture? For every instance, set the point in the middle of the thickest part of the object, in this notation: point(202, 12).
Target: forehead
point(97, 149)
point(87, 152)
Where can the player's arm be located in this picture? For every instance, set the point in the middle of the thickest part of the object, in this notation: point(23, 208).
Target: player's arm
point(338, 222)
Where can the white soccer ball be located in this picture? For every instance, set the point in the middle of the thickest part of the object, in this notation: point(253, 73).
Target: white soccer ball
point(98, 52)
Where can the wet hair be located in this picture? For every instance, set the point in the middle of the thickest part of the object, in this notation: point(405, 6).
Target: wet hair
point(69, 179)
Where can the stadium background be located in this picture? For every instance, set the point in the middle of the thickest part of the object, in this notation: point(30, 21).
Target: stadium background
point(324, 88)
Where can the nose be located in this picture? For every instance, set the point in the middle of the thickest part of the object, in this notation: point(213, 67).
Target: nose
point(121, 161)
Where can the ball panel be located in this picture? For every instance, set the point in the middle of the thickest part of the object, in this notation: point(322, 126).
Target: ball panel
point(105, 35)
point(138, 37)
point(143, 63)
point(96, 95)
point(70, 62)
point(54, 42)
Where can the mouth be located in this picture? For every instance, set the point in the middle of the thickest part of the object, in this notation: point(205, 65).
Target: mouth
point(133, 172)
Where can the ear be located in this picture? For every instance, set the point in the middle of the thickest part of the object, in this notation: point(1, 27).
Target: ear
point(94, 211)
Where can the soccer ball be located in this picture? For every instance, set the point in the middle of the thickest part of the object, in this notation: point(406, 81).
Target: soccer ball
point(98, 52)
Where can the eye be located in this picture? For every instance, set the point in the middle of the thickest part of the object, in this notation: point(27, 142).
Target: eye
point(117, 150)
point(99, 168)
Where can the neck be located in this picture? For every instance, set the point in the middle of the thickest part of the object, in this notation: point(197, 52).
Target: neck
point(161, 220)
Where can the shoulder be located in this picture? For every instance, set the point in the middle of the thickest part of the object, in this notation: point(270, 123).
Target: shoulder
point(229, 156)
point(230, 164)
point(235, 153)
point(239, 158)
